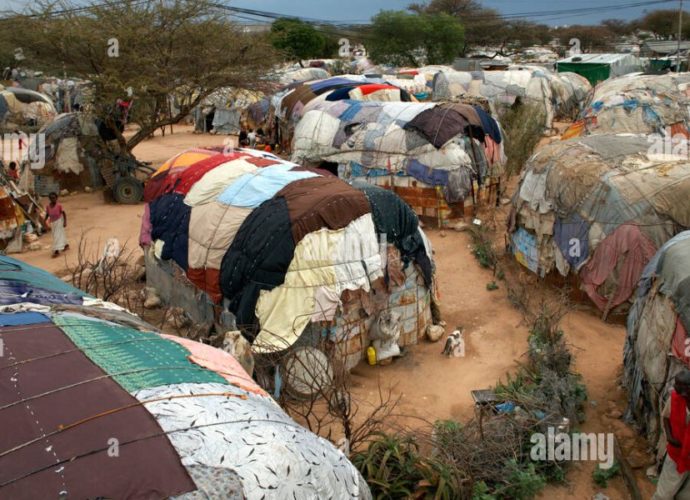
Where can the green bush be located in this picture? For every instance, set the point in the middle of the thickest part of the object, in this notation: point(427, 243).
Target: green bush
point(524, 482)
point(601, 476)
point(393, 468)
point(523, 128)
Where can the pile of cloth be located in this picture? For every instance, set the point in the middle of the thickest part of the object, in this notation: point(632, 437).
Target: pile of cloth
point(11, 218)
point(555, 94)
point(72, 150)
point(292, 76)
point(640, 104)
point(22, 107)
point(280, 245)
point(656, 342)
point(102, 405)
point(290, 104)
point(599, 206)
point(417, 81)
point(21, 216)
point(441, 145)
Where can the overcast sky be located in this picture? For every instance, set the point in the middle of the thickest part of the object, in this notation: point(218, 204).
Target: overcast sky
point(362, 10)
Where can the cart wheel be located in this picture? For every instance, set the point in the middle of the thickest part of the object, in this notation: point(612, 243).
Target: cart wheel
point(128, 190)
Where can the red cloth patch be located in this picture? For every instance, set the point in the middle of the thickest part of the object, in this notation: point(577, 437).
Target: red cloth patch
point(375, 87)
point(260, 162)
point(679, 429)
point(49, 387)
point(208, 280)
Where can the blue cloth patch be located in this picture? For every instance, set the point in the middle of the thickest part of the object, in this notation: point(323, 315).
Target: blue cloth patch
point(434, 177)
point(170, 221)
point(16, 271)
point(251, 190)
point(331, 82)
point(524, 246)
point(23, 318)
point(572, 237)
point(17, 292)
point(340, 94)
point(350, 113)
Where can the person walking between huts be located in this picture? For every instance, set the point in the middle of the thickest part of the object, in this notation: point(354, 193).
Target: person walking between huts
point(673, 481)
point(58, 222)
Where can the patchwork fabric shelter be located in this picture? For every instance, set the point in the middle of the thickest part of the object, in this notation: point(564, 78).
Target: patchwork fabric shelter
point(557, 96)
point(22, 107)
point(298, 75)
point(288, 252)
point(417, 81)
point(434, 155)
point(226, 109)
point(101, 405)
point(289, 105)
point(599, 207)
point(71, 151)
point(657, 336)
point(640, 104)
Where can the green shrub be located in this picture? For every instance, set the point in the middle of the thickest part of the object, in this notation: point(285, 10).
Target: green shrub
point(601, 476)
point(393, 468)
point(524, 482)
point(523, 128)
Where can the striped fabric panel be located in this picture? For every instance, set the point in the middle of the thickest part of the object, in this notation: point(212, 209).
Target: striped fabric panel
point(135, 360)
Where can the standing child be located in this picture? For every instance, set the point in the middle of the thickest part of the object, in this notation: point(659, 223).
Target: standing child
point(58, 223)
point(13, 173)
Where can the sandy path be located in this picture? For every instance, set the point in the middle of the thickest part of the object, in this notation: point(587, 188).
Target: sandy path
point(432, 386)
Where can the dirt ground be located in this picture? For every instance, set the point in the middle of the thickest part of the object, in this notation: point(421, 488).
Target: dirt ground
point(431, 386)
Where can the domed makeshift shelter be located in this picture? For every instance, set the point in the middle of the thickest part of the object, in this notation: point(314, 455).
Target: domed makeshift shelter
point(290, 105)
point(285, 253)
point(102, 405)
point(24, 108)
point(75, 150)
point(640, 104)
point(598, 207)
point(555, 95)
point(225, 110)
point(656, 346)
point(435, 156)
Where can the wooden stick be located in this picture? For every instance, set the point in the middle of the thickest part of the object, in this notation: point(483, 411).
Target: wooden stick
point(627, 472)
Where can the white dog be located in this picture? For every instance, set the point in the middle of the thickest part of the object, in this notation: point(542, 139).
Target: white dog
point(455, 344)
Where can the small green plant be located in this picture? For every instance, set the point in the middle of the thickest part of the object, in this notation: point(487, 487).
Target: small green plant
point(601, 476)
point(524, 482)
point(491, 286)
point(482, 247)
point(446, 433)
point(393, 468)
point(500, 275)
point(480, 491)
point(523, 126)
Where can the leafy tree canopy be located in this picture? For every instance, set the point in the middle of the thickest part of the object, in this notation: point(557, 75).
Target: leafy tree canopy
point(146, 52)
point(298, 40)
point(401, 38)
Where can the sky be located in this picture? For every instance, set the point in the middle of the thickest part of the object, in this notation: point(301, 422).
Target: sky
point(363, 10)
